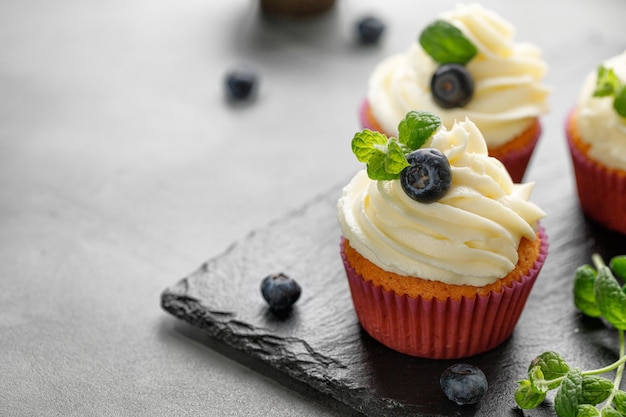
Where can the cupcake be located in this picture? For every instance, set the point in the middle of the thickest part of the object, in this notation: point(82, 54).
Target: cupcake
point(596, 135)
point(441, 248)
point(466, 64)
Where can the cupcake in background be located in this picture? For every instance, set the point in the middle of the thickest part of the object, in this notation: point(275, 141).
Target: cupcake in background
point(441, 248)
point(466, 64)
point(596, 135)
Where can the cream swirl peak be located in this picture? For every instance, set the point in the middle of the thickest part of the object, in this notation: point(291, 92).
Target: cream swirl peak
point(508, 91)
point(468, 236)
point(600, 124)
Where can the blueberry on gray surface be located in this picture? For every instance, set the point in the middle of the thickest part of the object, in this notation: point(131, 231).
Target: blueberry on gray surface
point(280, 291)
point(240, 83)
point(452, 86)
point(370, 29)
point(428, 176)
point(463, 383)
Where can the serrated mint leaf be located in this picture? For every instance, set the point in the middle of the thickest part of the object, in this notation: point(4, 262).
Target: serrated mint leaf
point(395, 161)
point(537, 380)
point(610, 412)
point(416, 128)
point(595, 390)
point(607, 82)
point(566, 399)
point(618, 266)
point(552, 366)
point(367, 143)
point(586, 410)
point(584, 296)
point(446, 44)
point(619, 102)
point(619, 401)
point(527, 398)
point(610, 298)
point(376, 168)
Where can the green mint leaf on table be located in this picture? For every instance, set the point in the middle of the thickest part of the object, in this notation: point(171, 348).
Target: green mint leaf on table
point(619, 103)
point(619, 401)
point(597, 293)
point(416, 128)
point(552, 367)
point(527, 397)
point(584, 296)
point(446, 44)
point(610, 412)
point(595, 390)
point(610, 298)
point(566, 399)
point(618, 266)
point(587, 410)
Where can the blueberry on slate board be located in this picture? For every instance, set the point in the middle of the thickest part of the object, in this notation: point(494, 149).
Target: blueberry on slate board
point(428, 176)
point(452, 86)
point(241, 83)
point(369, 29)
point(463, 383)
point(280, 291)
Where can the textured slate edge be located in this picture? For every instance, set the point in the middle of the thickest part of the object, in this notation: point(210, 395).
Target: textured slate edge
point(255, 342)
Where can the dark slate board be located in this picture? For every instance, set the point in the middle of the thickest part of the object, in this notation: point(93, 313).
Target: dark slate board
point(320, 344)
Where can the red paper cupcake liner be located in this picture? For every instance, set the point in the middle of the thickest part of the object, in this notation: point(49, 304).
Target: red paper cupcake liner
point(447, 329)
point(516, 161)
point(601, 190)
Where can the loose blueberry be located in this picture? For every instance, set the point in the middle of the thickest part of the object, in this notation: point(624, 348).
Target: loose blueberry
point(240, 83)
point(369, 29)
point(463, 383)
point(452, 86)
point(280, 291)
point(428, 176)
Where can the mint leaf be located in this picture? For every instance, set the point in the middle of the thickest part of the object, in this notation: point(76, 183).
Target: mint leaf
point(367, 143)
point(416, 128)
point(537, 380)
point(619, 103)
point(446, 44)
point(526, 397)
point(610, 412)
point(607, 82)
point(552, 365)
point(610, 298)
point(595, 390)
point(618, 266)
point(586, 410)
point(566, 399)
point(584, 296)
point(376, 168)
point(619, 401)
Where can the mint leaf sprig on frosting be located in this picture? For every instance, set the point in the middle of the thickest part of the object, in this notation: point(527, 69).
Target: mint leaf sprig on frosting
point(446, 44)
point(386, 157)
point(609, 85)
point(597, 293)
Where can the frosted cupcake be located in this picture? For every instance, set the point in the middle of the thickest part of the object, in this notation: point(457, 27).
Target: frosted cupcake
point(466, 64)
point(596, 135)
point(440, 247)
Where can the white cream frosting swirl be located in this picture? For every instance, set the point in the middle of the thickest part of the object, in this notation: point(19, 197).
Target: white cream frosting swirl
point(508, 93)
point(599, 123)
point(470, 236)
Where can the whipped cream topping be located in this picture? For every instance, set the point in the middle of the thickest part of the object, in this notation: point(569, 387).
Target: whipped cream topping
point(508, 92)
point(470, 236)
point(599, 123)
